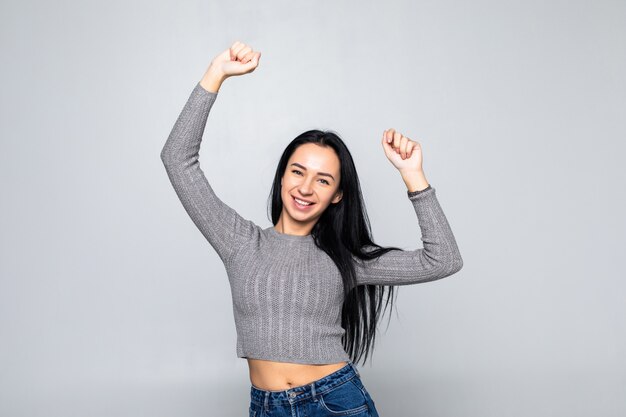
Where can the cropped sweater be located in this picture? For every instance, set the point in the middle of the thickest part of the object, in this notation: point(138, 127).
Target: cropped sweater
point(287, 294)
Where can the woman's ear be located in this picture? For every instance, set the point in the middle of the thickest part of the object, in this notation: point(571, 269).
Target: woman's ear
point(337, 197)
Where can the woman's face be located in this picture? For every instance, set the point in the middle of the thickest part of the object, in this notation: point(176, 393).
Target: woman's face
point(312, 175)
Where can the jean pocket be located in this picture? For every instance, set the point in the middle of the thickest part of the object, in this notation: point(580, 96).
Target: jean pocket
point(251, 412)
point(346, 399)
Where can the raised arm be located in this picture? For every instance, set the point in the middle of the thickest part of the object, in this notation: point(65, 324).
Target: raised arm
point(439, 258)
point(222, 226)
point(440, 255)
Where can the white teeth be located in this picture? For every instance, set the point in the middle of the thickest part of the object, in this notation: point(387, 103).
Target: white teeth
point(304, 203)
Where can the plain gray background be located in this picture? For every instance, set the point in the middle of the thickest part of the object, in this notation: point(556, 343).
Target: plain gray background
point(113, 304)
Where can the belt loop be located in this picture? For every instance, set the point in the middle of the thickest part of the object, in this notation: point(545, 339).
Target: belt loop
point(355, 369)
point(313, 391)
point(267, 396)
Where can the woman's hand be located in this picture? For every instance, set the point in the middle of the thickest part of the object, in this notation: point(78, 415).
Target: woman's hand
point(237, 60)
point(404, 154)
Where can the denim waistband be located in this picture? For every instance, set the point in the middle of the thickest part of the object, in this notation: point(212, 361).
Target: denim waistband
point(296, 394)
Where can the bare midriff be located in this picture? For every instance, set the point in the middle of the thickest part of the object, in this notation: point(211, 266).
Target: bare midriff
point(278, 376)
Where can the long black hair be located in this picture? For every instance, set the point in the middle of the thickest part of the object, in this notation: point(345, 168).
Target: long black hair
point(343, 231)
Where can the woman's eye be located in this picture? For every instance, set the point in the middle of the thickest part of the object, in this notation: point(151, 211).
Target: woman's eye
point(297, 172)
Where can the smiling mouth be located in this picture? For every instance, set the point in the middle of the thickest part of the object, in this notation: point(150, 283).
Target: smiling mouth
point(302, 203)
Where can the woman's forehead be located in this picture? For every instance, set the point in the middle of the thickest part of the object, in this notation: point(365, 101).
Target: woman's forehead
point(315, 157)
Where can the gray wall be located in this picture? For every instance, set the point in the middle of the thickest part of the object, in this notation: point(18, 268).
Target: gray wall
point(113, 304)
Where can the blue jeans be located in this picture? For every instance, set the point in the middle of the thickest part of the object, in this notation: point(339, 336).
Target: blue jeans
point(338, 394)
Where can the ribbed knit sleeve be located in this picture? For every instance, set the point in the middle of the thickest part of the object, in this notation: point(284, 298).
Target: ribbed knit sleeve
point(439, 257)
point(222, 226)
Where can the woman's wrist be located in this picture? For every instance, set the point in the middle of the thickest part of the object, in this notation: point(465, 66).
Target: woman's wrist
point(414, 180)
point(212, 80)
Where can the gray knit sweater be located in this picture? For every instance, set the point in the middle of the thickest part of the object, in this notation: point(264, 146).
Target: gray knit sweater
point(287, 293)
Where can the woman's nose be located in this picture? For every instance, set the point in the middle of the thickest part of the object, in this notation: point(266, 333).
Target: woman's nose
point(305, 187)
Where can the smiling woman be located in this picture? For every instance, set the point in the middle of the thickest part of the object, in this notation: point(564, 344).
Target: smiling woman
point(307, 291)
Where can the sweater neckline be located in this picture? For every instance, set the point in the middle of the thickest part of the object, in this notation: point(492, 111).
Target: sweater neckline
point(284, 236)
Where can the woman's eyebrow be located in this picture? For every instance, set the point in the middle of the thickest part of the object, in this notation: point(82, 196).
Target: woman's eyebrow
point(319, 173)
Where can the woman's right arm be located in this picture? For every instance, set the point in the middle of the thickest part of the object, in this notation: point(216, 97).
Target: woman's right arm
point(221, 225)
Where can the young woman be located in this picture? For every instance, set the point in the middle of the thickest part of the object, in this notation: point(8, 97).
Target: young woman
point(307, 292)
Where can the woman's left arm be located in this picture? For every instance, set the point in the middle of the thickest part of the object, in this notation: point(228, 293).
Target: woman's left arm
point(440, 256)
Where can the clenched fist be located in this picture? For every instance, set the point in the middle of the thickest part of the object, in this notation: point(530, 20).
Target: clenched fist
point(237, 60)
point(404, 153)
